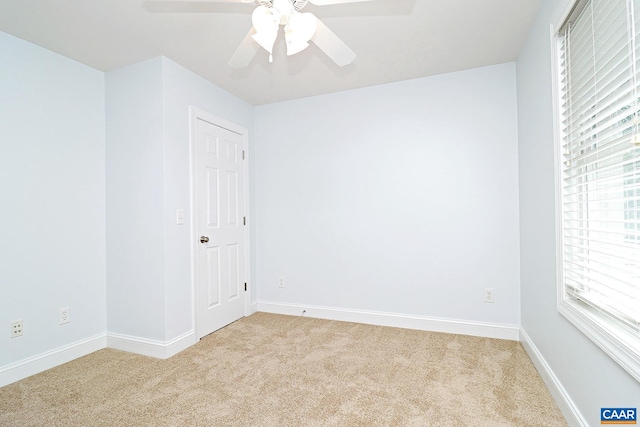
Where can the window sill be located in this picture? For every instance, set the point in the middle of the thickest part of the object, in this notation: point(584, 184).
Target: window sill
point(620, 344)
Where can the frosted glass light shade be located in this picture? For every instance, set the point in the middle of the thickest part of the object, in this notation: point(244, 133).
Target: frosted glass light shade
point(299, 30)
point(266, 22)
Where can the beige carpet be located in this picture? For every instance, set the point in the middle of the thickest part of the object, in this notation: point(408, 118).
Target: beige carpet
point(272, 370)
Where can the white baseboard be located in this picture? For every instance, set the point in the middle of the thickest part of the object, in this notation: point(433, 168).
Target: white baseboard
point(152, 348)
point(451, 326)
point(50, 359)
point(563, 400)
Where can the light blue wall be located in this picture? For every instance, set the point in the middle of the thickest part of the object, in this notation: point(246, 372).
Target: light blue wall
point(52, 198)
point(135, 201)
point(399, 198)
point(591, 379)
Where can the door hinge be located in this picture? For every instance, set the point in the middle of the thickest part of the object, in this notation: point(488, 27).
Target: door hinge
point(245, 287)
point(242, 154)
point(244, 220)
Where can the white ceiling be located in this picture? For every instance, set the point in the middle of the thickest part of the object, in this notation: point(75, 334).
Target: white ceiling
point(395, 39)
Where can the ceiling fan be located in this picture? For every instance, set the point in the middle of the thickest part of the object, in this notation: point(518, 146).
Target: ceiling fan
point(299, 29)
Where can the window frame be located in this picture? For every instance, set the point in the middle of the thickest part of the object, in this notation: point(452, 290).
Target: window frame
point(617, 342)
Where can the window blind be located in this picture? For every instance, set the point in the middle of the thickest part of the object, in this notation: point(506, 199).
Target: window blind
point(600, 161)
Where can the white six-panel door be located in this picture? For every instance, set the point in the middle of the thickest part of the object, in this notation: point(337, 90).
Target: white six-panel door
point(219, 225)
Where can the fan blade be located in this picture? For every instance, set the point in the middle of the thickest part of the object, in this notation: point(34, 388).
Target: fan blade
point(214, 1)
point(330, 2)
point(332, 45)
point(245, 52)
point(196, 6)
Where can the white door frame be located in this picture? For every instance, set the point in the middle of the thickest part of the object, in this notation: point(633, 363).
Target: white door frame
point(196, 114)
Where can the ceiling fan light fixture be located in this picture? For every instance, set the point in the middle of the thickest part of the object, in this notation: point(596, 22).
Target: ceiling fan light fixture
point(300, 30)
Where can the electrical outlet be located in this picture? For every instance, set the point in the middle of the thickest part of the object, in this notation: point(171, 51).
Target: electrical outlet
point(63, 316)
point(489, 295)
point(16, 328)
point(281, 282)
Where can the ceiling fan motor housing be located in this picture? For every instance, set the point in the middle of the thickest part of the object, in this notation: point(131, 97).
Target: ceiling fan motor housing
point(297, 4)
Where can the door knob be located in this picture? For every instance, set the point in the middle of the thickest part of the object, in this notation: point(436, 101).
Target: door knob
point(204, 239)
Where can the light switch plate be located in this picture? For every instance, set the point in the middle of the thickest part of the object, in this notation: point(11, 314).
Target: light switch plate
point(180, 216)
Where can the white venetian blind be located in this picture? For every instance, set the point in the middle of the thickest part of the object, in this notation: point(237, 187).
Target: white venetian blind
point(600, 162)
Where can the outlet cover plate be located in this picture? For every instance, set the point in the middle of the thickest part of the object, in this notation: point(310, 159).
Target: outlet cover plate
point(16, 328)
point(63, 316)
point(489, 296)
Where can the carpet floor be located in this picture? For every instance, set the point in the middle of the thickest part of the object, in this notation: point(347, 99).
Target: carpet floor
point(273, 370)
